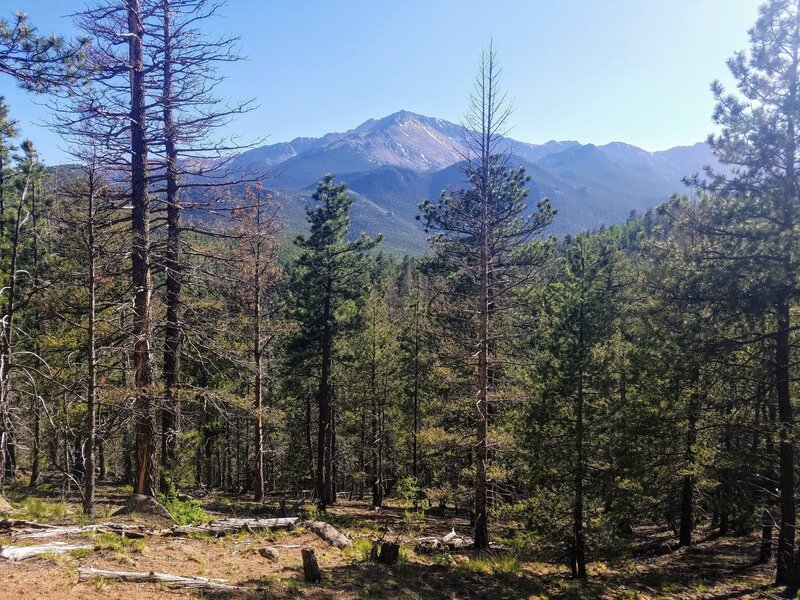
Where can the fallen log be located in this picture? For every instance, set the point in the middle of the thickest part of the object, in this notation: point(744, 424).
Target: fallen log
point(129, 531)
point(18, 553)
point(330, 534)
point(451, 541)
point(173, 581)
point(311, 571)
point(54, 532)
point(11, 523)
point(428, 545)
point(221, 527)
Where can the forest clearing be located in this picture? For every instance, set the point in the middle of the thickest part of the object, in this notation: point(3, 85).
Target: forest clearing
point(650, 565)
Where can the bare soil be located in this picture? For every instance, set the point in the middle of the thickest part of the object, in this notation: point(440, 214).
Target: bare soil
point(716, 567)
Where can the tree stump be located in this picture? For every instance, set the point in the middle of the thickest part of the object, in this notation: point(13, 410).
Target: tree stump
point(147, 505)
point(389, 553)
point(310, 567)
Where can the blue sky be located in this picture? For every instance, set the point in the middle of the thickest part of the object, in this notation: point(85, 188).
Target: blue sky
point(592, 70)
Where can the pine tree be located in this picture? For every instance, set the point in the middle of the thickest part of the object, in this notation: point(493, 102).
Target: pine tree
point(484, 251)
point(327, 274)
point(759, 141)
point(39, 63)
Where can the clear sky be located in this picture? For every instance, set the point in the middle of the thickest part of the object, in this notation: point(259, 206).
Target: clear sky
point(592, 70)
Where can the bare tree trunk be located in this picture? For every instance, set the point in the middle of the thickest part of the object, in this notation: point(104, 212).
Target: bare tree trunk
point(362, 452)
point(7, 436)
point(144, 409)
point(309, 442)
point(324, 459)
point(687, 492)
point(377, 441)
point(172, 333)
point(91, 377)
point(767, 520)
point(258, 393)
point(415, 397)
point(481, 447)
point(785, 551)
point(578, 554)
point(37, 409)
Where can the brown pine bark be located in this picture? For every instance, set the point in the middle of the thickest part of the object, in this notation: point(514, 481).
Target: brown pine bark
point(91, 377)
point(324, 458)
point(258, 481)
point(146, 479)
point(785, 551)
point(172, 333)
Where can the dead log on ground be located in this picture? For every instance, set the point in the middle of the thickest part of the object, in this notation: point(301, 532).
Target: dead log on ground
point(311, 571)
point(428, 545)
point(330, 534)
point(221, 527)
point(451, 541)
point(12, 523)
point(129, 531)
point(18, 553)
point(173, 581)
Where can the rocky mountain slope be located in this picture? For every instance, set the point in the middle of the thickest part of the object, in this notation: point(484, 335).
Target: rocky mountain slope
point(392, 164)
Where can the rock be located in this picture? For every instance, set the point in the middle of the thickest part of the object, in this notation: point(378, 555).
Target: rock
point(270, 553)
point(5, 507)
point(460, 559)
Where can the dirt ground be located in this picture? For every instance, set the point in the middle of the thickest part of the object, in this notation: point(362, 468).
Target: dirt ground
point(713, 568)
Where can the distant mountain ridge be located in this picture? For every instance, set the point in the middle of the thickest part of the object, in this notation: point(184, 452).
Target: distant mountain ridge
point(393, 163)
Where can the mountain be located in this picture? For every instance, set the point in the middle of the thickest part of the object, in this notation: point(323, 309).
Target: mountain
point(393, 163)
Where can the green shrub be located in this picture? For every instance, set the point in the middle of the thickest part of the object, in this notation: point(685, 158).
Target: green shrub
point(187, 512)
point(413, 517)
point(361, 550)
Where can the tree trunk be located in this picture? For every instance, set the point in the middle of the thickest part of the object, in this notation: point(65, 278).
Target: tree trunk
point(377, 467)
point(415, 407)
point(767, 520)
point(144, 410)
point(310, 566)
point(258, 481)
point(785, 552)
point(7, 436)
point(324, 459)
point(578, 554)
point(687, 492)
point(91, 359)
point(170, 414)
